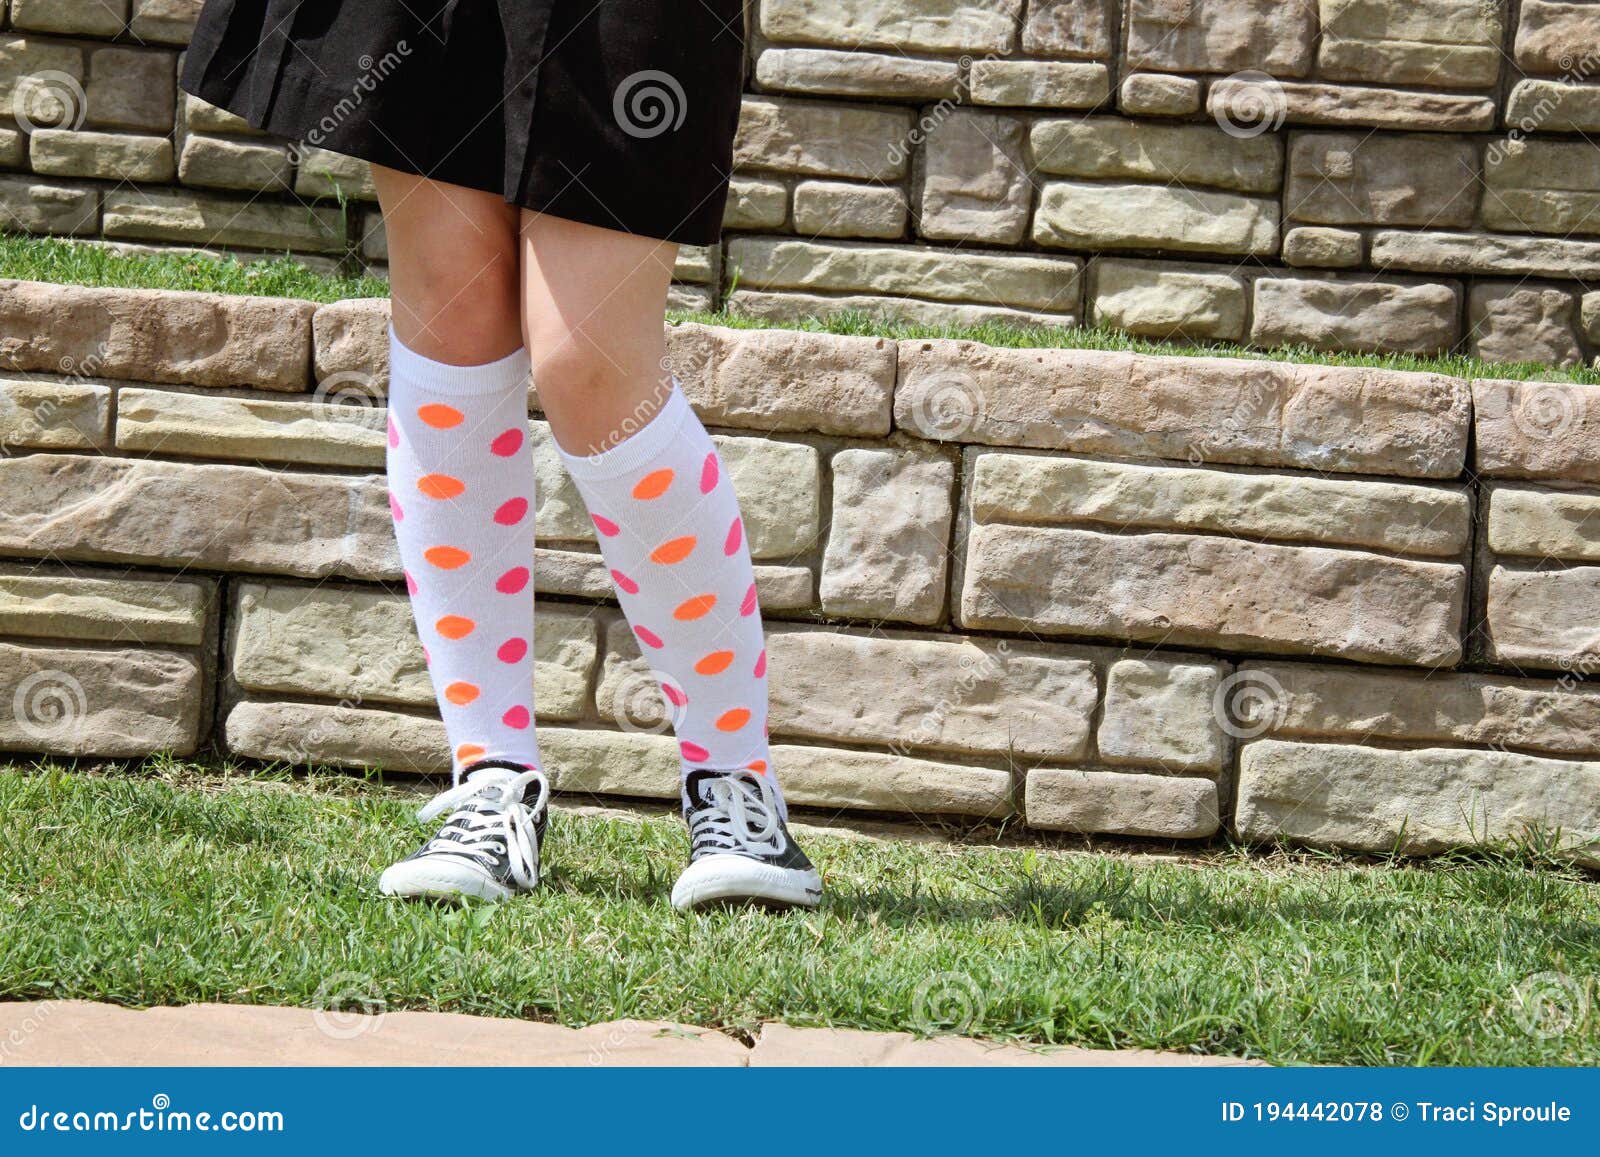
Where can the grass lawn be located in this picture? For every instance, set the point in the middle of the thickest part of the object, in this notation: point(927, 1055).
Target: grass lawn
point(168, 883)
point(75, 263)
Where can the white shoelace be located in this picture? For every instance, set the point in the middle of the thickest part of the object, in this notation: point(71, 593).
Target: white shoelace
point(488, 817)
point(731, 802)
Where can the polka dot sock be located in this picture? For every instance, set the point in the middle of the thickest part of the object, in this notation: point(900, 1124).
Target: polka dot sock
point(461, 489)
point(670, 532)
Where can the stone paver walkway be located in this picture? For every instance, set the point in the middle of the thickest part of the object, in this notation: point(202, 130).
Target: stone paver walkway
point(76, 1032)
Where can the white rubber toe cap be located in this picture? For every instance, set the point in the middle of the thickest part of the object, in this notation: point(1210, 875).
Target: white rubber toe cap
point(440, 878)
point(715, 879)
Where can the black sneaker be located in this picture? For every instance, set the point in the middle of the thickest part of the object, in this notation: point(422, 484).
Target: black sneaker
point(489, 845)
point(739, 847)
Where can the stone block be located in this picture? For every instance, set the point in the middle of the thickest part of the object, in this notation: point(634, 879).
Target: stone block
point(208, 219)
point(1222, 36)
point(109, 156)
point(1307, 246)
point(1157, 299)
point(1100, 215)
point(1039, 84)
point(1154, 94)
point(1437, 43)
point(900, 25)
point(1358, 315)
point(1109, 148)
point(1161, 714)
point(220, 163)
point(133, 612)
point(54, 415)
point(819, 139)
point(1540, 430)
point(841, 209)
point(1517, 321)
point(115, 703)
point(250, 429)
point(889, 547)
point(1422, 179)
point(975, 184)
point(1119, 803)
point(132, 88)
point(1543, 186)
point(1255, 104)
point(829, 72)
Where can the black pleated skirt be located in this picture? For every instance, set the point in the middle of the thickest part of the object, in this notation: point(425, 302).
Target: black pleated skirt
point(616, 113)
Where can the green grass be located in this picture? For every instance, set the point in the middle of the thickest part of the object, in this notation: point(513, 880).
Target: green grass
point(168, 883)
point(74, 263)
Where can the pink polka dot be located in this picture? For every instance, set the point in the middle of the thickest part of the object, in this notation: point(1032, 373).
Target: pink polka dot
point(674, 695)
point(517, 717)
point(693, 752)
point(512, 512)
point(411, 583)
point(648, 637)
point(508, 443)
point(394, 509)
point(605, 526)
point(761, 665)
point(624, 583)
point(512, 651)
point(394, 434)
point(512, 581)
point(748, 607)
point(708, 473)
point(735, 537)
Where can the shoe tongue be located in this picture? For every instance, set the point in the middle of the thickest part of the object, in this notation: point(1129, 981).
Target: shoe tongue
point(695, 787)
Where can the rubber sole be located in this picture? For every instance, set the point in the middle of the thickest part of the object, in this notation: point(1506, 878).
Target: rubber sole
point(416, 880)
point(731, 880)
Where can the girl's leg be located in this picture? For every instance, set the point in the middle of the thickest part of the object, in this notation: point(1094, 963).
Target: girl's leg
point(670, 531)
point(461, 484)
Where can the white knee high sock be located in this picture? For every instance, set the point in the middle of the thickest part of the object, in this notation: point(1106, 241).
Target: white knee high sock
point(671, 534)
point(461, 489)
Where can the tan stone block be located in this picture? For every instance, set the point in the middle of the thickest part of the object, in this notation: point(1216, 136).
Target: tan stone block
point(351, 340)
point(815, 138)
point(1028, 281)
point(1486, 253)
point(1423, 179)
point(1162, 714)
point(1039, 84)
point(111, 156)
point(321, 173)
point(1544, 618)
point(1553, 106)
point(70, 17)
point(1121, 803)
point(219, 163)
point(1555, 36)
point(1108, 147)
point(35, 206)
point(771, 380)
point(132, 88)
point(785, 308)
point(1046, 490)
point(149, 335)
point(1362, 420)
point(1413, 802)
point(1089, 216)
point(1220, 36)
point(835, 73)
point(1547, 430)
point(900, 25)
point(1516, 321)
point(975, 184)
point(207, 219)
point(1438, 43)
point(1542, 186)
point(164, 21)
point(113, 703)
point(840, 209)
point(249, 429)
point(1156, 94)
point(1316, 246)
point(54, 415)
point(1220, 593)
point(1072, 28)
point(756, 204)
point(1356, 314)
point(1158, 299)
point(1241, 100)
point(889, 544)
point(213, 517)
point(127, 611)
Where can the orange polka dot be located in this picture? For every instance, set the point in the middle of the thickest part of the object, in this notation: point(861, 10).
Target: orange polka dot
point(440, 416)
point(653, 484)
point(467, 752)
point(715, 663)
point(455, 626)
point(441, 486)
point(461, 693)
point(695, 608)
point(447, 557)
point(733, 720)
point(758, 765)
point(674, 550)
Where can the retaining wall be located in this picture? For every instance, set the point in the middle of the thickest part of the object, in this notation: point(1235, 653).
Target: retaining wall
point(1080, 591)
point(1393, 175)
